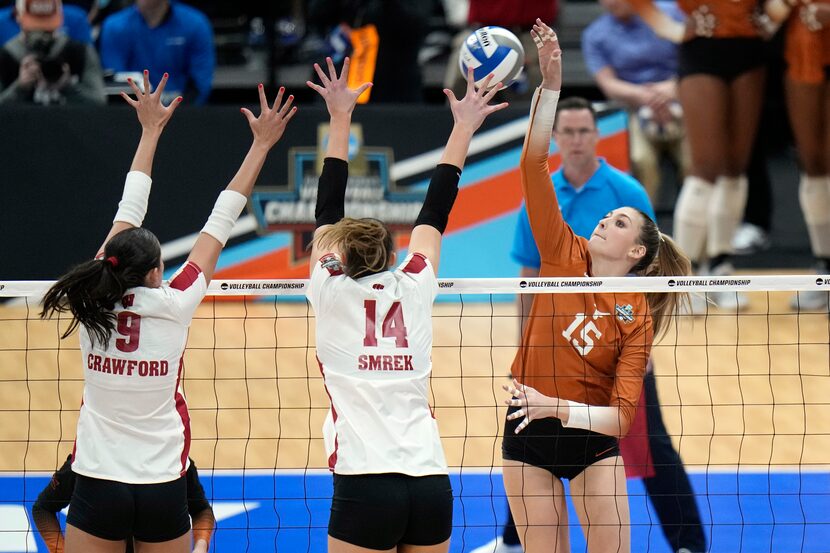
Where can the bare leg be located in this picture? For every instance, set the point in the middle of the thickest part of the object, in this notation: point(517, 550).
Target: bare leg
point(601, 499)
point(537, 501)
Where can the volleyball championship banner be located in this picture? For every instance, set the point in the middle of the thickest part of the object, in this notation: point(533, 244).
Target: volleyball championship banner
point(73, 178)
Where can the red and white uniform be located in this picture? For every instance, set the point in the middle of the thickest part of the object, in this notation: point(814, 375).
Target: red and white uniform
point(374, 342)
point(133, 425)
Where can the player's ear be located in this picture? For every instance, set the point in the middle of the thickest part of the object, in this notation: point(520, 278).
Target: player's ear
point(393, 259)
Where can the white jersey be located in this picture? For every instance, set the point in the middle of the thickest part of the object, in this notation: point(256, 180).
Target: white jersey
point(133, 425)
point(374, 345)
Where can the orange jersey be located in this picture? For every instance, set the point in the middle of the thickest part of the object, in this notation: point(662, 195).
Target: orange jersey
point(807, 52)
point(591, 348)
point(709, 18)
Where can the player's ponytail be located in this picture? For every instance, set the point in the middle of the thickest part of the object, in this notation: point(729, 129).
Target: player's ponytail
point(90, 290)
point(663, 258)
point(366, 245)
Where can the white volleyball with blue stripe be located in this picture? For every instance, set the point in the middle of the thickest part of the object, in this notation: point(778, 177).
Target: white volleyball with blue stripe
point(492, 50)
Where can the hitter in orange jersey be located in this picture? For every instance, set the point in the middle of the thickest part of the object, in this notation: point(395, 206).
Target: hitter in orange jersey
point(580, 368)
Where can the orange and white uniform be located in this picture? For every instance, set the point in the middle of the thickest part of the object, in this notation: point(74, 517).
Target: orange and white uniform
point(807, 51)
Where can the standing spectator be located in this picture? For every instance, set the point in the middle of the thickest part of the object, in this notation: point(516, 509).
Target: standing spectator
point(722, 68)
point(43, 66)
point(75, 24)
point(807, 85)
point(163, 36)
point(635, 67)
point(518, 17)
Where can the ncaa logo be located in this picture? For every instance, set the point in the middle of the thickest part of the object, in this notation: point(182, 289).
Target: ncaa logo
point(672, 282)
point(523, 284)
point(224, 286)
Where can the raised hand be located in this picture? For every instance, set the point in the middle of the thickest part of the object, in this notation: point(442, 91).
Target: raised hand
point(473, 108)
point(550, 55)
point(271, 123)
point(340, 99)
point(152, 114)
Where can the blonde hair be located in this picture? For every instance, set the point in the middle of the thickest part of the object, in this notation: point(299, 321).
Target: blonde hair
point(662, 258)
point(366, 245)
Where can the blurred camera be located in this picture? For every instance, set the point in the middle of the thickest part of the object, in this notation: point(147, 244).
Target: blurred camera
point(51, 63)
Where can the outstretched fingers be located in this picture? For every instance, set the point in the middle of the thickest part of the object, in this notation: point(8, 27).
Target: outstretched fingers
point(263, 100)
point(278, 99)
point(136, 90)
point(129, 100)
point(148, 89)
point(160, 88)
point(333, 71)
point(323, 79)
point(286, 106)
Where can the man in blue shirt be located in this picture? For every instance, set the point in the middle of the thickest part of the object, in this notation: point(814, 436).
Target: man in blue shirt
point(637, 68)
point(587, 189)
point(75, 24)
point(162, 36)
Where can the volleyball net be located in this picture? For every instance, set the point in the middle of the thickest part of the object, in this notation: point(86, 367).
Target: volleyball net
point(744, 396)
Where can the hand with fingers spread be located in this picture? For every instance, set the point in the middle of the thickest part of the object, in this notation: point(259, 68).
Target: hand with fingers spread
point(340, 99)
point(471, 111)
point(550, 55)
point(270, 125)
point(532, 404)
point(152, 114)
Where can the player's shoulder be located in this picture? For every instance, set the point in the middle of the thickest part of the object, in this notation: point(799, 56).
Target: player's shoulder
point(415, 264)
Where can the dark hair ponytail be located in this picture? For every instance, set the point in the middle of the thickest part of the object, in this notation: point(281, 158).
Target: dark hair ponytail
point(663, 258)
point(90, 290)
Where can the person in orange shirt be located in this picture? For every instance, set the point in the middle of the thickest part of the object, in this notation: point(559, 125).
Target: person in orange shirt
point(580, 368)
point(721, 82)
point(807, 52)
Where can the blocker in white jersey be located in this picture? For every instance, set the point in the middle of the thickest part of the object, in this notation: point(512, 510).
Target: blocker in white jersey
point(374, 341)
point(133, 437)
point(133, 425)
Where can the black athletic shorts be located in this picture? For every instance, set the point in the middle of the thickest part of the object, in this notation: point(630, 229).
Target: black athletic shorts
point(116, 511)
point(546, 444)
point(725, 58)
point(380, 511)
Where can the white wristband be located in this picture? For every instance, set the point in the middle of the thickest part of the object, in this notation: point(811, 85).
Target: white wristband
point(225, 212)
point(605, 420)
point(133, 205)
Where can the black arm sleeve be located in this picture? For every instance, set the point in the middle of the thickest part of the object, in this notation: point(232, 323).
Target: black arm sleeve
point(443, 189)
point(331, 192)
point(58, 492)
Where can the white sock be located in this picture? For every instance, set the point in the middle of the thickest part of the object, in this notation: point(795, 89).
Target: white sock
point(814, 197)
point(726, 211)
point(690, 216)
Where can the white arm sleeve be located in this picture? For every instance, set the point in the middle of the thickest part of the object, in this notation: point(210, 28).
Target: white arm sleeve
point(133, 205)
point(225, 212)
point(604, 420)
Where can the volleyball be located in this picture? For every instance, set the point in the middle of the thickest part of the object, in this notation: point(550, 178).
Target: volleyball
point(492, 50)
